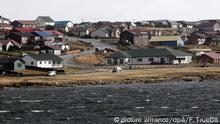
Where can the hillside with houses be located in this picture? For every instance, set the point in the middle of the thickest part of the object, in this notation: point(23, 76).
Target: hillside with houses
point(44, 44)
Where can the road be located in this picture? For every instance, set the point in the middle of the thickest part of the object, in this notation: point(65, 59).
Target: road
point(68, 59)
point(95, 42)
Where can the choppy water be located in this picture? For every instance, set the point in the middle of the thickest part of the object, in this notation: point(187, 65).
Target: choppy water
point(101, 104)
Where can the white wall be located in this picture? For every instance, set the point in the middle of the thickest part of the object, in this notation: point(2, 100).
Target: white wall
point(188, 59)
point(57, 52)
point(42, 63)
point(0, 47)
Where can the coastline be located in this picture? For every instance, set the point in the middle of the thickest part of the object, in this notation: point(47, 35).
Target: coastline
point(125, 77)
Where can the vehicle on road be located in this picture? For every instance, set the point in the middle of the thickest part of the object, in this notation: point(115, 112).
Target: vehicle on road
point(116, 69)
point(51, 73)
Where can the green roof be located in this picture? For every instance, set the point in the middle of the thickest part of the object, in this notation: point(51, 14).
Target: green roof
point(148, 52)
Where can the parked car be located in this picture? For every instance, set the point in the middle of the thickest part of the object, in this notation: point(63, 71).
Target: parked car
point(51, 73)
point(116, 69)
point(205, 65)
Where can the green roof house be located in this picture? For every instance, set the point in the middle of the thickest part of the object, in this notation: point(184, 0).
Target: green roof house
point(149, 56)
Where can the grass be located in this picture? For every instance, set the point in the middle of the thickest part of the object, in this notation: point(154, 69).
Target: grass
point(89, 59)
point(2, 53)
point(109, 77)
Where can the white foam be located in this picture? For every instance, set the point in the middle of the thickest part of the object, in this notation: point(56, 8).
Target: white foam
point(30, 101)
point(165, 107)
point(4, 111)
point(37, 111)
point(139, 107)
point(194, 107)
point(99, 101)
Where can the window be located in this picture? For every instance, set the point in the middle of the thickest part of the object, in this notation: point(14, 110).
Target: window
point(32, 63)
point(129, 60)
point(19, 65)
point(139, 60)
point(40, 62)
point(49, 62)
point(121, 61)
point(151, 59)
point(109, 61)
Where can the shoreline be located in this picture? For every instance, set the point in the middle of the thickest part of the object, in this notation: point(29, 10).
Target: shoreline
point(145, 76)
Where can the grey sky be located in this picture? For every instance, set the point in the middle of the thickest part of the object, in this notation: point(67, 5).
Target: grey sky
point(112, 10)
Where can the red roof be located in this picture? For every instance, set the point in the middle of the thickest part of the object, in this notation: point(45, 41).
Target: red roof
point(53, 32)
point(26, 29)
point(26, 22)
point(213, 55)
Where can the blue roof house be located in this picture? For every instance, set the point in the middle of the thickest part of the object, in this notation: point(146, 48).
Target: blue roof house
point(43, 36)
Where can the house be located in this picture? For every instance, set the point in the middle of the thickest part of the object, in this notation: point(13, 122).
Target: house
point(149, 56)
point(9, 44)
point(213, 58)
point(123, 26)
point(23, 24)
point(47, 61)
point(58, 35)
point(209, 25)
point(43, 21)
point(64, 26)
point(138, 37)
point(126, 38)
point(22, 38)
point(100, 33)
point(85, 24)
point(114, 32)
point(11, 64)
point(79, 31)
point(135, 37)
point(197, 38)
point(186, 24)
point(4, 20)
point(43, 37)
point(159, 23)
point(173, 41)
point(56, 50)
point(173, 24)
point(62, 45)
point(5, 27)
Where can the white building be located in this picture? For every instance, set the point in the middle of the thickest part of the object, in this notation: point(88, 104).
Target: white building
point(56, 50)
point(43, 61)
point(63, 46)
point(64, 26)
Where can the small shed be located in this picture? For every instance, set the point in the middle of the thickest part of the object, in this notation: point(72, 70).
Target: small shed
point(12, 64)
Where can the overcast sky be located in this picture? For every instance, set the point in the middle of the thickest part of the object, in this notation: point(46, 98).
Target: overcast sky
point(111, 10)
